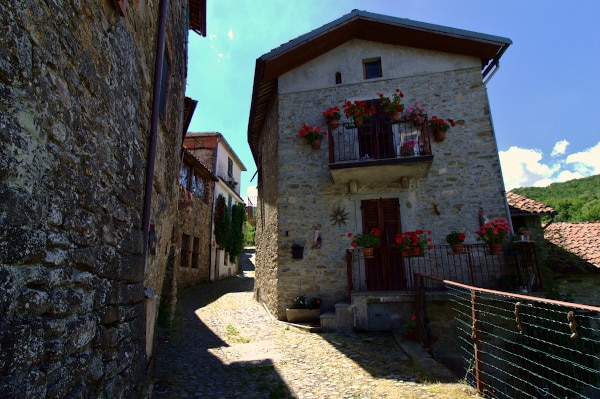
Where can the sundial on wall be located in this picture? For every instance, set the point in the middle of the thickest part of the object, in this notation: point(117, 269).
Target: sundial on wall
point(339, 217)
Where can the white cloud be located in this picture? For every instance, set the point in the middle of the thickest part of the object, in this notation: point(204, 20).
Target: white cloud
point(522, 167)
point(586, 162)
point(230, 34)
point(560, 148)
point(251, 194)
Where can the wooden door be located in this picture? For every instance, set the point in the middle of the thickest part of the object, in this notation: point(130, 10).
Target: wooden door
point(386, 270)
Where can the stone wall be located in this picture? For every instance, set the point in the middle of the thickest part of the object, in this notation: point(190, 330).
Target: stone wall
point(266, 281)
point(76, 93)
point(194, 222)
point(464, 176)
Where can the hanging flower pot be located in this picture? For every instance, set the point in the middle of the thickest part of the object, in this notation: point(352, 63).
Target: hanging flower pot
point(333, 123)
point(313, 134)
point(457, 248)
point(439, 135)
point(396, 116)
point(368, 252)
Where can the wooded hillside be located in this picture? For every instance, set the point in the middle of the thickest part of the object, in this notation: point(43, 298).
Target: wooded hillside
point(575, 200)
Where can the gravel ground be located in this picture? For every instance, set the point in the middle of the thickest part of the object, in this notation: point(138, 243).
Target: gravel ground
point(226, 345)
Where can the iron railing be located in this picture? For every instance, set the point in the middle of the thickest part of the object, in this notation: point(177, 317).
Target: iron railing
point(379, 138)
point(516, 268)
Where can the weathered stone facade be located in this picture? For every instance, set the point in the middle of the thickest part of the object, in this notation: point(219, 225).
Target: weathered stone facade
point(76, 84)
point(298, 196)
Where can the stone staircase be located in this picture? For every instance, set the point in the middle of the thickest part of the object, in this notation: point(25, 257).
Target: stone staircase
point(342, 319)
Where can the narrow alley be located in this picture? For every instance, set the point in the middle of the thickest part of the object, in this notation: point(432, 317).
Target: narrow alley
point(226, 345)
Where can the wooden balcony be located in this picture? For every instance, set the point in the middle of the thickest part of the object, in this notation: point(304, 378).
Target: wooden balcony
point(382, 150)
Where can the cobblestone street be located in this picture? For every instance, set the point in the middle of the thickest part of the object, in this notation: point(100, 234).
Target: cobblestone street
point(226, 345)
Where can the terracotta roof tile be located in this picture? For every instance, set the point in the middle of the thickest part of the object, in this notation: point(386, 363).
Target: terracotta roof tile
point(581, 239)
point(520, 205)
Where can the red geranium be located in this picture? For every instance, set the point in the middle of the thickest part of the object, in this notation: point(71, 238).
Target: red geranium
point(414, 240)
point(311, 133)
point(369, 240)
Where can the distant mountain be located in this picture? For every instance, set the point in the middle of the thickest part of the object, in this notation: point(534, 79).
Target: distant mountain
point(575, 200)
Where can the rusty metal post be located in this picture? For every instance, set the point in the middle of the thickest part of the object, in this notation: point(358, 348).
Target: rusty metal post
point(476, 343)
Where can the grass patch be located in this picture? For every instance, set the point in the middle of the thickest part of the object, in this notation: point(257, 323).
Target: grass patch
point(234, 335)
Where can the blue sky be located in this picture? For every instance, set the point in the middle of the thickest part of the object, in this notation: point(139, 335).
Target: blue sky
point(545, 98)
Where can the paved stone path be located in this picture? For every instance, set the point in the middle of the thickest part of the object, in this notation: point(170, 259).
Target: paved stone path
point(226, 345)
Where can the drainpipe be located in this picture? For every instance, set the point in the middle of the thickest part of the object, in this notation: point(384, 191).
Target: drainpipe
point(159, 58)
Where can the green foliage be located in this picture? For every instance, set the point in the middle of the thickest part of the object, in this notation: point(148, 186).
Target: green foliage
point(236, 237)
point(575, 200)
point(228, 227)
point(249, 238)
point(222, 222)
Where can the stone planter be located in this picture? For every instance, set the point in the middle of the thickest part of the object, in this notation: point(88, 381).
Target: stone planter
point(303, 315)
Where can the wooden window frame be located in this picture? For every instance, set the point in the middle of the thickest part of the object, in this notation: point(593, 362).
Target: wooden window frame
point(370, 62)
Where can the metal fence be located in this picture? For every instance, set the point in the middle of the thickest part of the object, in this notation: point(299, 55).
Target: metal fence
point(521, 346)
point(473, 265)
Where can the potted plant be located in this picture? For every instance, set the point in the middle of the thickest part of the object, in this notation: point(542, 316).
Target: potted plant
point(358, 111)
point(393, 106)
point(332, 116)
point(523, 233)
point(416, 114)
point(456, 240)
point(408, 148)
point(439, 127)
point(413, 243)
point(303, 310)
point(493, 233)
point(410, 328)
point(313, 134)
point(366, 241)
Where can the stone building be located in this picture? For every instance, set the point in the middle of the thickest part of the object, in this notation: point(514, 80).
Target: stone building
point(91, 130)
point(364, 177)
point(219, 157)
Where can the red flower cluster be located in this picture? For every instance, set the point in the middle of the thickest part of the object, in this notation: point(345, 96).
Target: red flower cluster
point(358, 109)
point(494, 231)
point(332, 113)
point(312, 133)
point(369, 240)
point(440, 125)
point(394, 104)
point(414, 240)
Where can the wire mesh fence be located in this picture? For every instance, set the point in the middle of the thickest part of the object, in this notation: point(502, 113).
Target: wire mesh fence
point(520, 346)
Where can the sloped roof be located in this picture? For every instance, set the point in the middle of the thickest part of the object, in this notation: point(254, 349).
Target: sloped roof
point(197, 16)
point(197, 162)
point(219, 136)
point(365, 26)
point(581, 239)
point(520, 205)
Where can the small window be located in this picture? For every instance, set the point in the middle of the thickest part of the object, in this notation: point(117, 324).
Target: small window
point(186, 251)
point(229, 167)
point(338, 78)
point(184, 174)
point(372, 68)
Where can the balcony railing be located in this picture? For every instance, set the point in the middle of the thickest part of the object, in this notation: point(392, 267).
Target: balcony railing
point(390, 271)
point(379, 139)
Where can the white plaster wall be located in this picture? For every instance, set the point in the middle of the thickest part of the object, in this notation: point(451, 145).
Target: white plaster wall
point(396, 62)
